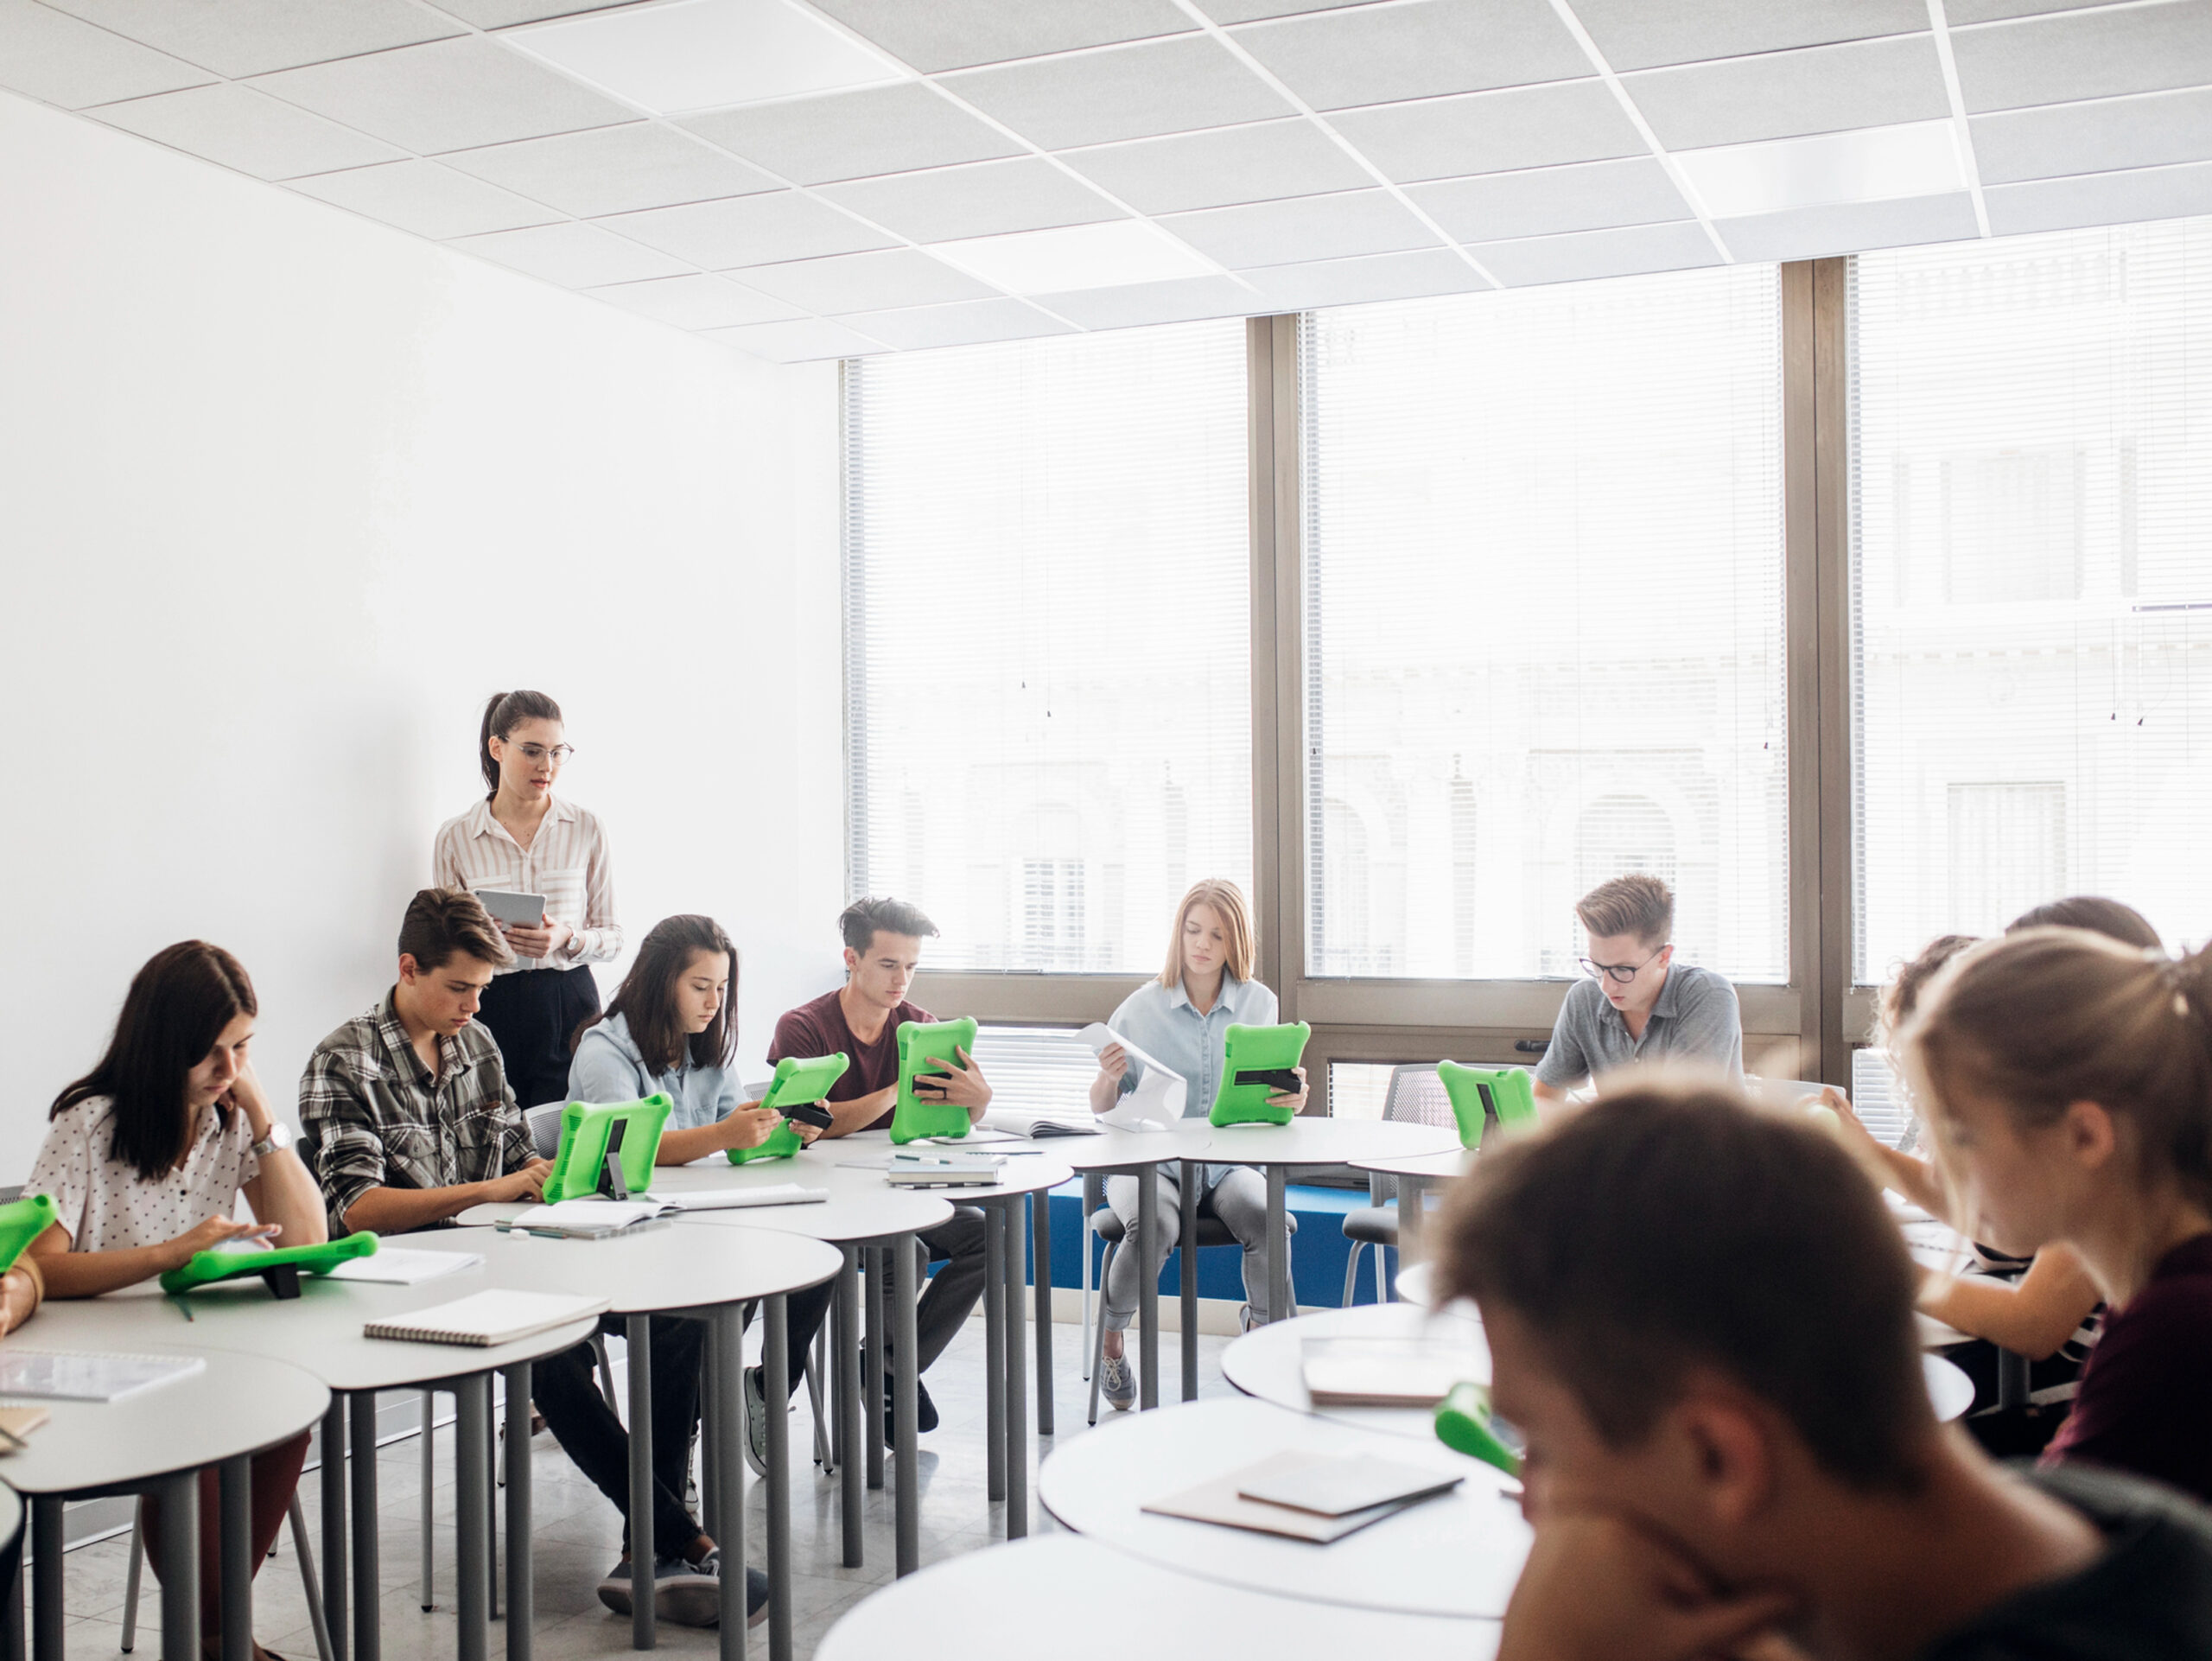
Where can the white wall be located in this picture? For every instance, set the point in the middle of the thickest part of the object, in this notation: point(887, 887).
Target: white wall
point(283, 495)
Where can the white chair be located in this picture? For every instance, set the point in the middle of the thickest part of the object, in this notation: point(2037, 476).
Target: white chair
point(1415, 1097)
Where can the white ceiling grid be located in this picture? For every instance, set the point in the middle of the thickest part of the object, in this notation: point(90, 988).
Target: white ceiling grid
point(1300, 152)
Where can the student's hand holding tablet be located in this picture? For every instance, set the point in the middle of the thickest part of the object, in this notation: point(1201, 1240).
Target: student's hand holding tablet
point(958, 1081)
point(543, 941)
point(750, 1124)
point(1295, 1100)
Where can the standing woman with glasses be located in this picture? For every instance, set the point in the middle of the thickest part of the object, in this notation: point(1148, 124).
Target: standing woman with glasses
point(522, 838)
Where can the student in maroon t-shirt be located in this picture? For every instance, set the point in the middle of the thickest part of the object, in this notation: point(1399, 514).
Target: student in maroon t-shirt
point(883, 944)
point(2070, 1084)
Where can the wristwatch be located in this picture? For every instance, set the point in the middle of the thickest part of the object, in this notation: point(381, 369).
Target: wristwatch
point(279, 1136)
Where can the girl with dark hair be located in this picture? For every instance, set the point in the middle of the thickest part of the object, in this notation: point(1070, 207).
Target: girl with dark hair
point(146, 1156)
point(522, 838)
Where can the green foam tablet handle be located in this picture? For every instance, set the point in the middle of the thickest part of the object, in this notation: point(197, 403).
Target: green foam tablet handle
point(927, 1048)
point(1463, 1423)
point(207, 1268)
point(1506, 1094)
point(1246, 1049)
point(579, 1165)
point(798, 1081)
point(23, 1221)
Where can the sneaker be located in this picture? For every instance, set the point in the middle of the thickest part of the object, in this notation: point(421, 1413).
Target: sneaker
point(614, 1590)
point(924, 1409)
point(689, 1595)
point(756, 1422)
point(1120, 1384)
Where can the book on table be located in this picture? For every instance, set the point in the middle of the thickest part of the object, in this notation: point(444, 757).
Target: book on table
point(484, 1320)
point(912, 1168)
point(1384, 1372)
point(593, 1218)
point(88, 1376)
point(1313, 1497)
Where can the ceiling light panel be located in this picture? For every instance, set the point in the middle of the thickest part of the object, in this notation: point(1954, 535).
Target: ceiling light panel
point(238, 127)
point(683, 56)
point(250, 37)
point(2098, 54)
point(855, 135)
point(985, 199)
point(1551, 201)
point(1784, 94)
point(961, 33)
point(1258, 163)
point(1849, 227)
point(1879, 164)
point(1642, 34)
point(1080, 257)
point(46, 55)
point(1426, 49)
point(422, 197)
point(1493, 132)
point(614, 169)
point(2156, 129)
point(1131, 91)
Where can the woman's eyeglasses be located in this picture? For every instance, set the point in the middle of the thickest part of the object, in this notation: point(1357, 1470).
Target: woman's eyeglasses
point(534, 753)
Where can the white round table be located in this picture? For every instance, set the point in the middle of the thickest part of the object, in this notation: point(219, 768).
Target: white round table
point(1415, 1174)
point(1456, 1555)
point(1030, 1589)
point(1268, 1362)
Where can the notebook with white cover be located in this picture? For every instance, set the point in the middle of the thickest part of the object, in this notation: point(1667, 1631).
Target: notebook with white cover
point(771, 1194)
point(1220, 1501)
point(588, 1218)
point(1384, 1372)
point(398, 1266)
point(1335, 1486)
point(486, 1320)
point(87, 1375)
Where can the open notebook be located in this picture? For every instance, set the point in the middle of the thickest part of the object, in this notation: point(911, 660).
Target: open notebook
point(592, 1218)
point(487, 1319)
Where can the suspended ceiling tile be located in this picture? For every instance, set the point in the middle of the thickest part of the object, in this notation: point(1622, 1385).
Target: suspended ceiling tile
point(2099, 54)
point(959, 34)
point(449, 95)
point(1849, 227)
point(696, 301)
point(249, 37)
point(1959, 12)
point(614, 169)
point(1783, 94)
point(429, 200)
point(967, 322)
point(45, 54)
point(1304, 228)
point(808, 340)
point(238, 127)
point(748, 231)
point(855, 135)
point(1550, 201)
point(1133, 304)
point(1246, 11)
point(1645, 35)
point(2153, 130)
point(2101, 198)
point(1130, 92)
point(505, 13)
point(1426, 49)
point(1493, 132)
point(1361, 282)
point(1263, 162)
point(1587, 254)
point(874, 282)
point(983, 198)
point(574, 255)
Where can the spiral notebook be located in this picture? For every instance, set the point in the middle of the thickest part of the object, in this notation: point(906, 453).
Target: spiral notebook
point(487, 1319)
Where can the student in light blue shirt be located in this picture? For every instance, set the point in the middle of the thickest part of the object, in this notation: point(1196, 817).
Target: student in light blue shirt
point(1182, 1020)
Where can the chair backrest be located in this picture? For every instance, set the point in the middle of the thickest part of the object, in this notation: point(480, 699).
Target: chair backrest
point(1415, 1096)
point(1480, 1094)
point(544, 1124)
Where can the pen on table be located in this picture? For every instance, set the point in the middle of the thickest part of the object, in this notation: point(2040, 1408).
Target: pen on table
point(185, 1307)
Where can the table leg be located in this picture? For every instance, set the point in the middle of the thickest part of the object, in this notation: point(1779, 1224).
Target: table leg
point(13, 1646)
point(905, 1376)
point(878, 1360)
point(637, 1335)
point(1147, 1288)
point(368, 1585)
point(2012, 1386)
point(710, 1496)
point(1040, 1234)
point(1188, 1262)
point(472, 1454)
point(178, 1567)
point(428, 1410)
point(1278, 1259)
point(333, 1525)
point(725, 1334)
point(1017, 1390)
point(776, 1388)
point(994, 1350)
point(48, 1614)
point(1412, 1217)
point(521, 1590)
point(234, 1517)
point(847, 1397)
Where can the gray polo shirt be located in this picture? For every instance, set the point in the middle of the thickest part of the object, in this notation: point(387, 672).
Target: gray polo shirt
point(1696, 1019)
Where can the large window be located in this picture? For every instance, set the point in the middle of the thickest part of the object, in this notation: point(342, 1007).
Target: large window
point(2032, 580)
point(1048, 640)
point(1544, 623)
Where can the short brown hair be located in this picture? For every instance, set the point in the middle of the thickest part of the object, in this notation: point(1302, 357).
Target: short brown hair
point(442, 921)
point(1228, 900)
point(1637, 905)
point(2093, 912)
point(1902, 995)
point(1672, 1224)
point(862, 920)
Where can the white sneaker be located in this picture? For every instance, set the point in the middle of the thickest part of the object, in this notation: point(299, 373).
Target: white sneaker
point(1119, 1384)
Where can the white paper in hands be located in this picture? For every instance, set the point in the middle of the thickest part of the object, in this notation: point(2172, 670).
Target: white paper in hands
point(1157, 1101)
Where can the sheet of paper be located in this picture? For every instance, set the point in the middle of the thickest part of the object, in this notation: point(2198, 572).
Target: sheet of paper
point(397, 1266)
point(1157, 1101)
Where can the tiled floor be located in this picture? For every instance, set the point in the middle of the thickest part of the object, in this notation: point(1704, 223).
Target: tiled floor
point(577, 1533)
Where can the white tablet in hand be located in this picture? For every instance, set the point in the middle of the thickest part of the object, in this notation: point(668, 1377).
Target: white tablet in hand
point(516, 910)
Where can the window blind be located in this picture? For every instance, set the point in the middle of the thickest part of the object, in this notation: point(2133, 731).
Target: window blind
point(1544, 623)
point(2030, 581)
point(1047, 644)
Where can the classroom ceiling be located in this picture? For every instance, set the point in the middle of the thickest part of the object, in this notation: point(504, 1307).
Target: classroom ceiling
point(827, 179)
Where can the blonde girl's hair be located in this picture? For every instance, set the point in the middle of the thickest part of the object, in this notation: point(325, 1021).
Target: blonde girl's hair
point(1228, 902)
point(2051, 1017)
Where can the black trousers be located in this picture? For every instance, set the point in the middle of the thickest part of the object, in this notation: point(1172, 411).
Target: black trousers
point(532, 1015)
point(804, 1315)
point(588, 1432)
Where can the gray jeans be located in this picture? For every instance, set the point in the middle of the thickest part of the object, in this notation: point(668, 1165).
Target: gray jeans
point(1239, 1199)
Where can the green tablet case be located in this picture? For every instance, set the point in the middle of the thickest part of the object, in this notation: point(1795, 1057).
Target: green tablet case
point(281, 1267)
point(1248, 1049)
point(1463, 1422)
point(23, 1221)
point(920, 1047)
point(580, 1167)
point(1506, 1094)
point(797, 1083)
